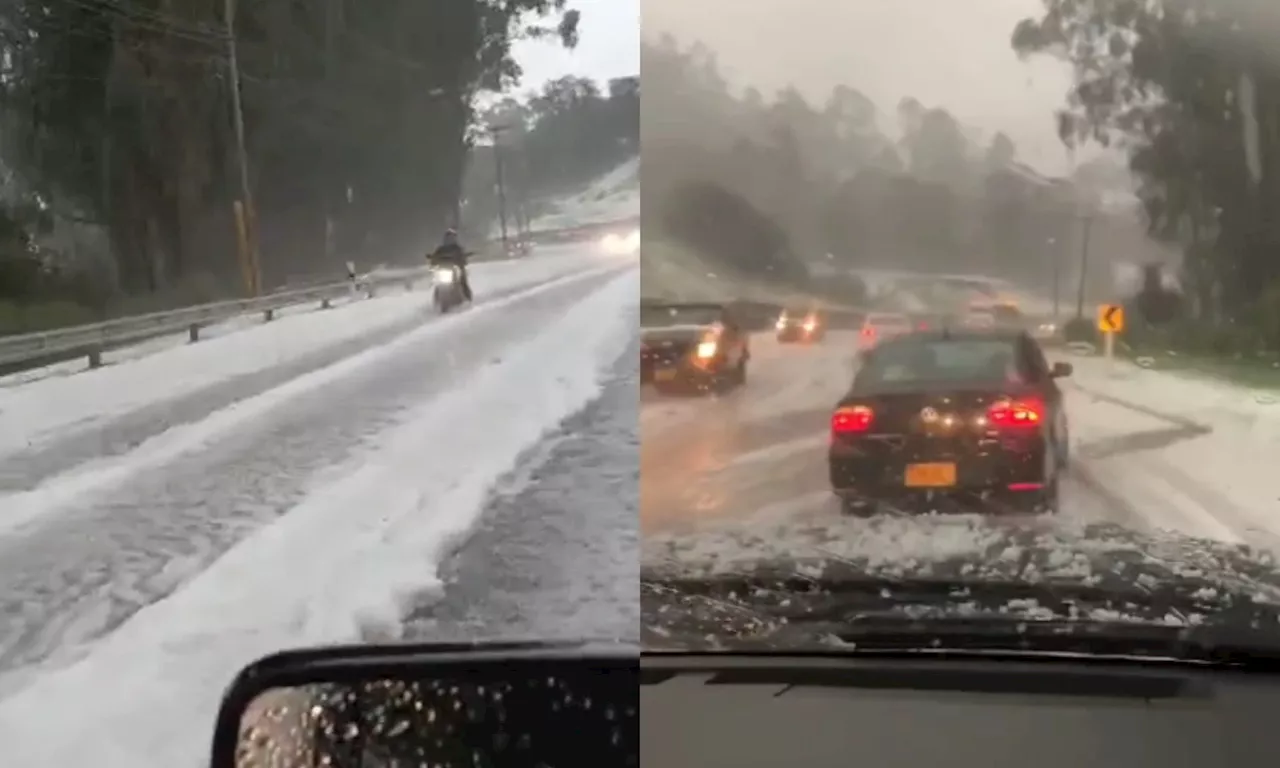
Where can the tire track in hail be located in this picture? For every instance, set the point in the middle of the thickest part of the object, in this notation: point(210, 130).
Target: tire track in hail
point(81, 574)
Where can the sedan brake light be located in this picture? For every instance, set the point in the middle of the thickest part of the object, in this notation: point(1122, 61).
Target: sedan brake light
point(851, 419)
point(1015, 414)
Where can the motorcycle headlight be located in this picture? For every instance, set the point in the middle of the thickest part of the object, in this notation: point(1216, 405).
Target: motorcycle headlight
point(707, 350)
point(616, 244)
point(444, 276)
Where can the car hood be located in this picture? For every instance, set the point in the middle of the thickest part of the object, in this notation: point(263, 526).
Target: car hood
point(1196, 577)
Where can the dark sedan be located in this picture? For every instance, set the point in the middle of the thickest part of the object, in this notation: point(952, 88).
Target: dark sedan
point(938, 420)
point(692, 346)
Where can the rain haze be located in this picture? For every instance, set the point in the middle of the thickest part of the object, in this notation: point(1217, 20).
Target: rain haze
point(609, 46)
point(876, 244)
point(887, 50)
point(328, 165)
point(903, 136)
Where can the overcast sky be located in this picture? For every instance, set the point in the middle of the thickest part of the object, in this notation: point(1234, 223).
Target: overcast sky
point(609, 46)
point(950, 53)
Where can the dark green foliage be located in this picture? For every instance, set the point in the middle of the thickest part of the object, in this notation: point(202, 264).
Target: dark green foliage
point(356, 115)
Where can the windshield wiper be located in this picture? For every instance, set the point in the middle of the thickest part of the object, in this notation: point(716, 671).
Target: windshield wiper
point(832, 595)
point(930, 617)
point(1179, 619)
point(1216, 644)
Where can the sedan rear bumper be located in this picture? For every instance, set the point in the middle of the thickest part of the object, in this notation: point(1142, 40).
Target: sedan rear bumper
point(681, 374)
point(979, 483)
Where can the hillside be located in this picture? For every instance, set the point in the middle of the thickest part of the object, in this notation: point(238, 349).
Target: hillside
point(613, 196)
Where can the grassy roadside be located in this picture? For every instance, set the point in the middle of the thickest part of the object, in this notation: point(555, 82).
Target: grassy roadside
point(1260, 371)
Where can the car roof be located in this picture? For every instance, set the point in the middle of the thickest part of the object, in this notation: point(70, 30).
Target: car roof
point(957, 334)
point(683, 305)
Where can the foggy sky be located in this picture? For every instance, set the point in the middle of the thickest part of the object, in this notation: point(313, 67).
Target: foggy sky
point(609, 46)
point(946, 53)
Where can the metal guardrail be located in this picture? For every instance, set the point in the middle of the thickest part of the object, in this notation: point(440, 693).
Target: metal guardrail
point(92, 340)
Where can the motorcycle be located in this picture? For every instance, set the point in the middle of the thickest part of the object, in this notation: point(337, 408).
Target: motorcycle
point(447, 293)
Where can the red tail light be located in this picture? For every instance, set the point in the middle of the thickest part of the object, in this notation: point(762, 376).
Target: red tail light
point(851, 420)
point(923, 326)
point(868, 331)
point(1013, 414)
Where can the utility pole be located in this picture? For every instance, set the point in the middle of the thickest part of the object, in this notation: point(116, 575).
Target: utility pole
point(1084, 263)
point(1055, 266)
point(334, 203)
point(494, 132)
point(247, 210)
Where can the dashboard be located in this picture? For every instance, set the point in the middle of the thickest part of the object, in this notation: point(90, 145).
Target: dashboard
point(915, 711)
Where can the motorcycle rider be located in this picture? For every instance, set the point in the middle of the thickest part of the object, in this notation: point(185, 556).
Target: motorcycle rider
point(451, 252)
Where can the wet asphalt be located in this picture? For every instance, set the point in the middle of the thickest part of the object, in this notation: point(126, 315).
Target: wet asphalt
point(556, 551)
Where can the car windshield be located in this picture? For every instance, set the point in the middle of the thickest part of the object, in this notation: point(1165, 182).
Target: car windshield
point(927, 361)
point(1096, 180)
point(672, 316)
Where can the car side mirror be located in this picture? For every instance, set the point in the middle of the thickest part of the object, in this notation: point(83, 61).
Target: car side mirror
point(438, 704)
point(1061, 370)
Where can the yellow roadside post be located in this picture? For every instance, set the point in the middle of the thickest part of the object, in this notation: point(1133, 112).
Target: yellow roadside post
point(1110, 323)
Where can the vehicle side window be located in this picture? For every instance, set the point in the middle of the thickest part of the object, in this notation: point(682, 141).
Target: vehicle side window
point(1033, 360)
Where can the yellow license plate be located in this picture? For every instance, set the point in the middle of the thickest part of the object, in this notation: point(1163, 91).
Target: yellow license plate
point(667, 374)
point(930, 475)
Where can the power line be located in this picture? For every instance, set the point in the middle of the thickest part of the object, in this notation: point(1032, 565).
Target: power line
point(159, 24)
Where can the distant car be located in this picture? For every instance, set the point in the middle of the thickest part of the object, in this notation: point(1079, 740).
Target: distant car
point(1047, 332)
point(1007, 316)
point(880, 326)
point(929, 321)
point(800, 325)
point(979, 319)
point(951, 416)
point(692, 346)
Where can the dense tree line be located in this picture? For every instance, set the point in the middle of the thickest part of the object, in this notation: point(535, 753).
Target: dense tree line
point(554, 140)
point(839, 183)
point(118, 126)
point(1191, 91)
point(835, 182)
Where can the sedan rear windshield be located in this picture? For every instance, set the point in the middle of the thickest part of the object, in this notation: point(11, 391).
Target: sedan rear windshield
point(919, 362)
